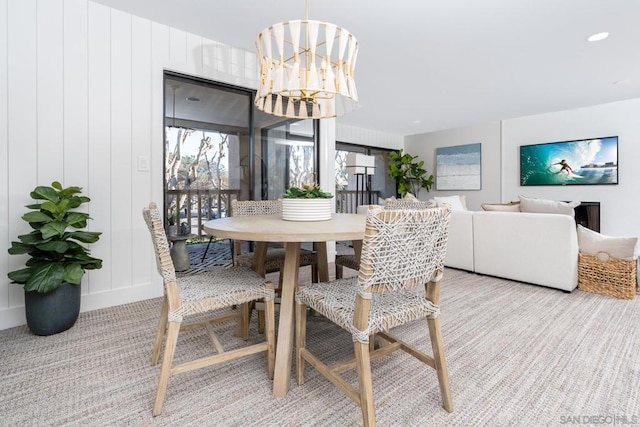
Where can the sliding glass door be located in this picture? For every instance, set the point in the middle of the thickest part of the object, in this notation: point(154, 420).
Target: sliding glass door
point(289, 155)
point(219, 147)
point(380, 186)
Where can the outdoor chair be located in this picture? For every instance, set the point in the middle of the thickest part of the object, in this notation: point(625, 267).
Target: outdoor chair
point(211, 239)
point(201, 294)
point(401, 266)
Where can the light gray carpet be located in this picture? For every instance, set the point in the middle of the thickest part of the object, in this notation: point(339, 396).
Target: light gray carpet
point(518, 355)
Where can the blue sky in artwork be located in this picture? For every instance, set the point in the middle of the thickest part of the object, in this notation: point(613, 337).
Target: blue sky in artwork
point(459, 155)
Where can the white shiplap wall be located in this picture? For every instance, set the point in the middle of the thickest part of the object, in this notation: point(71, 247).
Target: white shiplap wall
point(81, 96)
point(4, 157)
point(84, 94)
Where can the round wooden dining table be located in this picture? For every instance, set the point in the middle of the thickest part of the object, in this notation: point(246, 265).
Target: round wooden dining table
point(264, 229)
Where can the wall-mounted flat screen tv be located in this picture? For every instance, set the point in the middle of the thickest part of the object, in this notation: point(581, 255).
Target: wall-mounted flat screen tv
point(580, 162)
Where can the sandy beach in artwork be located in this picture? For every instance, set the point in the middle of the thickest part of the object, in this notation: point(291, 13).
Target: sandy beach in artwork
point(458, 177)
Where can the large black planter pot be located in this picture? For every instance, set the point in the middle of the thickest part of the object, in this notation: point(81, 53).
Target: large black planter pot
point(53, 312)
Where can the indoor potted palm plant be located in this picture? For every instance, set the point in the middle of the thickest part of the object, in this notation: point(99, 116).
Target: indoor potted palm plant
point(307, 203)
point(57, 258)
point(410, 175)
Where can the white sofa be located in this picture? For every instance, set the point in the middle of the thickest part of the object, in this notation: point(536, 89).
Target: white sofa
point(460, 241)
point(529, 247)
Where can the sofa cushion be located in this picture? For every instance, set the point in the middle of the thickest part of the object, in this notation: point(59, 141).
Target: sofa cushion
point(532, 205)
point(592, 242)
point(502, 207)
point(458, 203)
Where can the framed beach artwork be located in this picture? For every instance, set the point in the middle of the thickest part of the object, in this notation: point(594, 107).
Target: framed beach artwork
point(459, 167)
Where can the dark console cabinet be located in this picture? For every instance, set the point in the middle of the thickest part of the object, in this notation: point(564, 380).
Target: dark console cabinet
point(588, 215)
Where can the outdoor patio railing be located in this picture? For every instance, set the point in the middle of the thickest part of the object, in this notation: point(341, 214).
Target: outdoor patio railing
point(347, 201)
point(201, 205)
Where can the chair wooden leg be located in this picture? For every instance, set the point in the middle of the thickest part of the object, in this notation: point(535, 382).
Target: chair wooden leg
point(162, 328)
point(441, 363)
point(243, 321)
point(338, 271)
point(315, 276)
point(365, 383)
point(301, 340)
point(261, 321)
point(280, 278)
point(382, 342)
point(270, 327)
point(167, 362)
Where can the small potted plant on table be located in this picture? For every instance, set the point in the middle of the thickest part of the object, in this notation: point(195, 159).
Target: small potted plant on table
point(307, 203)
point(58, 259)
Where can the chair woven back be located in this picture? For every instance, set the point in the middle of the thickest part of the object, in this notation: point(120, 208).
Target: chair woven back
point(164, 263)
point(402, 248)
point(255, 207)
point(408, 204)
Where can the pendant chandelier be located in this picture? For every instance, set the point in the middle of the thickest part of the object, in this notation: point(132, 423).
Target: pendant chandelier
point(306, 69)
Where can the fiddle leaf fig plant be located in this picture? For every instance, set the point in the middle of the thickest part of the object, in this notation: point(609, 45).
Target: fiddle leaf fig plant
point(409, 173)
point(55, 246)
point(307, 191)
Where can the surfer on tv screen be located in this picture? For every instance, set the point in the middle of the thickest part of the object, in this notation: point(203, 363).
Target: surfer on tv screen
point(565, 167)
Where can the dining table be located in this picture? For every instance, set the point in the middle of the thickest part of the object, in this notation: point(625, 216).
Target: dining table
point(265, 229)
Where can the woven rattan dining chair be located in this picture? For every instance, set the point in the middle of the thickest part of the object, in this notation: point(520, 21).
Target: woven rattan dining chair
point(275, 256)
point(401, 267)
point(395, 204)
point(274, 261)
point(204, 293)
point(345, 260)
point(350, 260)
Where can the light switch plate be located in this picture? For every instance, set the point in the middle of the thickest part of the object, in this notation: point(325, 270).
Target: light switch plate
point(143, 163)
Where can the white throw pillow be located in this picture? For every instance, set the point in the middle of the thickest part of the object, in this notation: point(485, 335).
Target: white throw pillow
point(592, 242)
point(410, 196)
point(501, 207)
point(547, 206)
point(458, 203)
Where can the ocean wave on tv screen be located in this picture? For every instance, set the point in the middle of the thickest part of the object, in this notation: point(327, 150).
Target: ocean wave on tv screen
point(553, 176)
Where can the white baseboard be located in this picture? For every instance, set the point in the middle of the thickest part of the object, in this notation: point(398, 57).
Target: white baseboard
point(14, 316)
point(120, 296)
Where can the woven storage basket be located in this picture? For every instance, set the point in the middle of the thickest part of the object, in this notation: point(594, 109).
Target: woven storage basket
point(614, 277)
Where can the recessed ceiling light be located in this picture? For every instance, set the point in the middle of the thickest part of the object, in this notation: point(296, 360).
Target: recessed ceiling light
point(193, 99)
point(597, 37)
point(415, 122)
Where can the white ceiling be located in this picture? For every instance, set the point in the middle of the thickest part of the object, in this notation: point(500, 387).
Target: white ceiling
point(427, 65)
